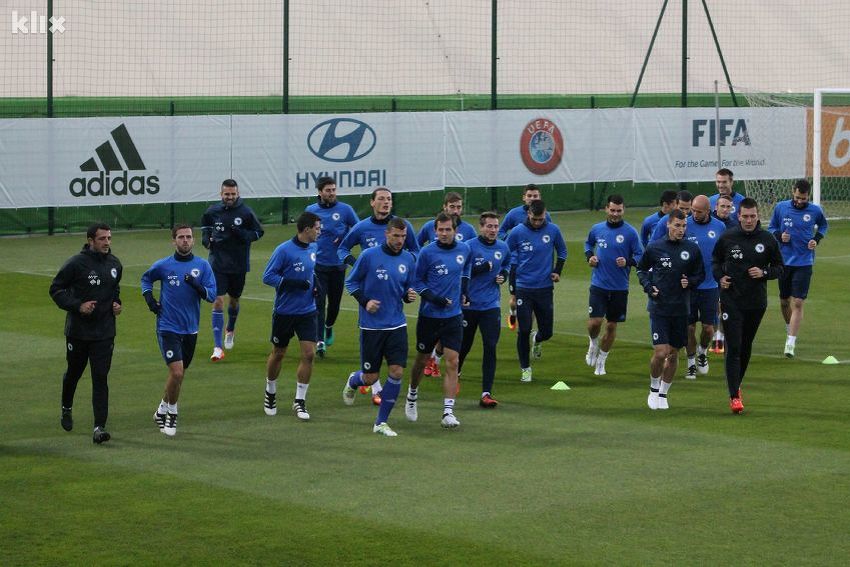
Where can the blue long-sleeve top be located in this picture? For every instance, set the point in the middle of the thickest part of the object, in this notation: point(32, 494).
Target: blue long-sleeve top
point(803, 225)
point(181, 303)
point(532, 252)
point(440, 270)
point(369, 233)
point(489, 260)
point(380, 274)
point(337, 220)
point(609, 241)
point(290, 272)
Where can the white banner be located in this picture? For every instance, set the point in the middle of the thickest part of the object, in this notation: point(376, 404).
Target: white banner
point(284, 155)
point(111, 161)
point(680, 144)
point(515, 147)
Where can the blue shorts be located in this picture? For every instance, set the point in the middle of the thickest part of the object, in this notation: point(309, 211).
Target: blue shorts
point(229, 284)
point(378, 345)
point(704, 306)
point(608, 303)
point(284, 327)
point(175, 347)
point(448, 331)
point(669, 330)
point(795, 282)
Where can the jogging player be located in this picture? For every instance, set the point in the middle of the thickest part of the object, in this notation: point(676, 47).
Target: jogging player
point(184, 280)
point(227, 231)
point(87, 287)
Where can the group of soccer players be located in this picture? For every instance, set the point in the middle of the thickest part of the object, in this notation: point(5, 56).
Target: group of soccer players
point(694, 257)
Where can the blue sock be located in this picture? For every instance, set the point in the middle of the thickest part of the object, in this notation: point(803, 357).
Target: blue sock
point(232, 314)
point(388, 397)
point(218, 327)
point(356, 380)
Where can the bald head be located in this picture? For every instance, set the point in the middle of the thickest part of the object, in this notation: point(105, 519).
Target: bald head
point(701, 208)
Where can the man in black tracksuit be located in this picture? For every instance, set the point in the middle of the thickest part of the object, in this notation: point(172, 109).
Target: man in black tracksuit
point(744, 258)
point(668, 270)
point(87, 287)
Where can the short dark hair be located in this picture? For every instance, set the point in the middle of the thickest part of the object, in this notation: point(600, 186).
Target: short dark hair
point(530, 187)
point(748, 203)
point(229, 183)
point(685, 196)
point(802, 186)
point(617, 199)
point(537, 207)
point(306, 220)
point(179, 226)
point(324, 180)
point(667, 197)
point(375, 192)
point(487, 215)
point(677, 214)
point(452, 197)
point(443, 217)
point(396, 223)
point(91, 232)
point(726, 172)
point(725, 197)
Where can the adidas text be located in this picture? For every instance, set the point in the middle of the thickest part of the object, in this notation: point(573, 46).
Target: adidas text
point(103, 185)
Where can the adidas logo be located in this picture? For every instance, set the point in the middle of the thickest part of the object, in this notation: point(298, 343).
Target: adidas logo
point(105, 183)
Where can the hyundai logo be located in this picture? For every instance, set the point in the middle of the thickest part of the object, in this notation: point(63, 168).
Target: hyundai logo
point(341, 140)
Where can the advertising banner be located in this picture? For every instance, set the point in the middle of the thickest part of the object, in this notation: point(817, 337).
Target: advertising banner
point(681, 144)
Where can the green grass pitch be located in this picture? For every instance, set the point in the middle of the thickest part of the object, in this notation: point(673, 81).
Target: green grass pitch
point(585, 476)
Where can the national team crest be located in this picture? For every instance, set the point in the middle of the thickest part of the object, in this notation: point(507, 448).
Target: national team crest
point(712, 234)
point(459, 258)
point(114, 273)
point(541, 146)
point(546, 238)
point(620, 239)
point(807, 217)
point(335, 216)
point(497, 255)
point(685, 255)
point(402, 268)
point(237, 221)
point(759, 247)
point(313, 256)
point(196, 272)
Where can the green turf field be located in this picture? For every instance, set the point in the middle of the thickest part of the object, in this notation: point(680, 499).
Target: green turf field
point(585, 476)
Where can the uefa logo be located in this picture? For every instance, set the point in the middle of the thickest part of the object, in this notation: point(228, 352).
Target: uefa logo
point(341, 140)
point(541, 146)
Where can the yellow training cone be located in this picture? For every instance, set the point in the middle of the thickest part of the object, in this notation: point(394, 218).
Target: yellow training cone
point(560, 386)
point(830, 360)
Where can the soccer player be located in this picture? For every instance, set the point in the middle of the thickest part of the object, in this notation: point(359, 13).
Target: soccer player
point(227, 231)
point(337, 219)
point(683, 203)
point(703, 230)
point(490, 269)
point(725, 183)
point(515, 217)
point(744, 259)
point(87, 287)
point(369, 233)
point(533, 245)
point(291, 272)
point(453, 205)
point(669, 268)
point(381, 282)
point(723, 212)
point(184, 280)
point(799, 226)
point(611, 249)
point(666, 204)
point(441, 280)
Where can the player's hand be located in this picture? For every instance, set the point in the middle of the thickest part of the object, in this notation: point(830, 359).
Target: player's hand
point(726, 282)
point(684, 281)
point(116, 308)
point(154, 306)
point(411, 295)
point(621, 262)
point(87, 308)
point(448, 302)
point(786, 237)
point(500, 279)
point(812, 244)
point(593, 261)
point(373, 305)
point(756, 273)
point(464, 301)
point(555, 277)
point(654, 292)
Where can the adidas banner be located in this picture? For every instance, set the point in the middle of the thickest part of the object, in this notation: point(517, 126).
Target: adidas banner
point(112, 161)
point(109, 161)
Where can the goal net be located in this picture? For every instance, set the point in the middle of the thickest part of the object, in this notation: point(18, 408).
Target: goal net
point(827, 151)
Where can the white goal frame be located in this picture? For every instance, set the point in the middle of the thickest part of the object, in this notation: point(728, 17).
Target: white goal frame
point(816, 139)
